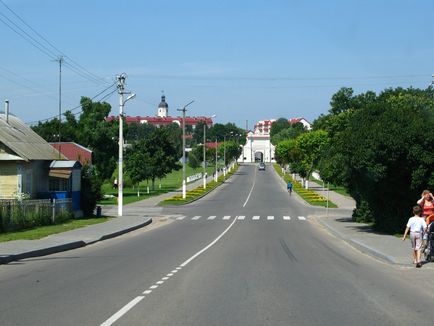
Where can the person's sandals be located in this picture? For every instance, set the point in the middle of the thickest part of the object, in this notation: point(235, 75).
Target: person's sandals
point(418, 265)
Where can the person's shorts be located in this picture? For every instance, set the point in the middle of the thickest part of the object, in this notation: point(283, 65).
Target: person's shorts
point(416, 240)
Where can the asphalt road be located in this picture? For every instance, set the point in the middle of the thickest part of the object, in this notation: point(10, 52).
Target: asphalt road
point(247, 254)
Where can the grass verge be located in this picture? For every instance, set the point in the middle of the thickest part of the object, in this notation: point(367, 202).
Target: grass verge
point(43, 231)
point(196, 193)
point(311, 197)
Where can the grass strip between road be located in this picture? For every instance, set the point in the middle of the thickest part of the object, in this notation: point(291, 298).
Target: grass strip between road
point(198, 192)
point(311, 197)
point(43, 231)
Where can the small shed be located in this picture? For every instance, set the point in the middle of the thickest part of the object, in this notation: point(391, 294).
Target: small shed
point(65, 181)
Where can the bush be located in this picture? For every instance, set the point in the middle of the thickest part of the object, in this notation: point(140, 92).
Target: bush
point(90, 190)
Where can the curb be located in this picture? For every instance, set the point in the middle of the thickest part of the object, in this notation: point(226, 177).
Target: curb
point(358, 245)
point(68, 246)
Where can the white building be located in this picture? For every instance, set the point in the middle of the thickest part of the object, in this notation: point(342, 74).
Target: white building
point(258, 146)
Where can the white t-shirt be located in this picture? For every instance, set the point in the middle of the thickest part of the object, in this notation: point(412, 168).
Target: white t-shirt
point(416, 224)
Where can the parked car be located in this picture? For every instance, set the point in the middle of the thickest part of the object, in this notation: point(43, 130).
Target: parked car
point(261, 166)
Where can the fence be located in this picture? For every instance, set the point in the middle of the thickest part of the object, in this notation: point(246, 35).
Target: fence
point(21, 214)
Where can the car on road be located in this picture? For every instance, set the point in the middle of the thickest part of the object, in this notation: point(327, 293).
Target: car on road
point(261, 166)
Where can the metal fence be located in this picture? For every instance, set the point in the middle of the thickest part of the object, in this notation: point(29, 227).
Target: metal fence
point(21, 214)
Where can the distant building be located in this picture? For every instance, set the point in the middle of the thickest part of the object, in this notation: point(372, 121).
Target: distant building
point(163, 119)
point(258, 147)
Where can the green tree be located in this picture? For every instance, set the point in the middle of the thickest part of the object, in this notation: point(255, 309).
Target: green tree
point(279, 125)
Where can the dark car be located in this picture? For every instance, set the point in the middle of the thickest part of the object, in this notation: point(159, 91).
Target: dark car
point(261, 166)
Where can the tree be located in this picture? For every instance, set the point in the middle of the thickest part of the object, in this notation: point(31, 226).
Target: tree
point(137, 162)
point(90, 190)
point(193, 161)
point(279, 125)
point(309, 147)
point(381, 155)
point(291, 132)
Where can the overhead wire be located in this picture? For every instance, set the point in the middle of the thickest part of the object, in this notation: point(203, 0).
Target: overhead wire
point(74, 66)
point(79, 106)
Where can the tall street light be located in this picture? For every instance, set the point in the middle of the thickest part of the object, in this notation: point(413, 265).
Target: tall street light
point(121, 84)
point(204, 152)
point(184, 183)
point(216, 173)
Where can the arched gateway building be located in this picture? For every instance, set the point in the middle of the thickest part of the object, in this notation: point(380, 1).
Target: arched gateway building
point(258, 146)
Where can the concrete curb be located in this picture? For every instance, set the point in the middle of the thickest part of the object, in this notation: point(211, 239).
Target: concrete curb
point(68, 246)
point(357, 244)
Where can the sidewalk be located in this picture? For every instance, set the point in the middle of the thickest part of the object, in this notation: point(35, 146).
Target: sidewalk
point(135, 215)
point(361, 236)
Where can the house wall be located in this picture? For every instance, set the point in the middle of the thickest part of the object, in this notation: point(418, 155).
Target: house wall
point(8, 179)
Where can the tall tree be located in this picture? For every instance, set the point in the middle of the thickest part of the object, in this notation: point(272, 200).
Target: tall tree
point(279, 125)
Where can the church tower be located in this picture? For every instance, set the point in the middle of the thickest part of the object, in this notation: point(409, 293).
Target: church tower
point(163, 108)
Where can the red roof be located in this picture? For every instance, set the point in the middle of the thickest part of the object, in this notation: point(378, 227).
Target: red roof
point(213, 144)
point(189, 121)
point(74, 152)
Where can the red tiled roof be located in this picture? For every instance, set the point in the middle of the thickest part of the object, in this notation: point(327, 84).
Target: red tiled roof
point(74, 152)
point(213, 144)
point(189, 121)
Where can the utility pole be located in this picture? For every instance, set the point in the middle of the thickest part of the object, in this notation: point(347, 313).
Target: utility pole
point(224, 158)
point(184, 182)
point(121, 91)
point(60, 60)
point(204, 154)
point(216, 171)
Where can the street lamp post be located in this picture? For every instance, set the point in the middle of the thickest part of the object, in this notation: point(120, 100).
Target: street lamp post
point(184, 182)
point(216, 173)
point(224, 158)
point(121, 84)
point(204, 152)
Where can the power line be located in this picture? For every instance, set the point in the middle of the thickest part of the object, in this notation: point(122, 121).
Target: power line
point(79, 106)
point(75, 67)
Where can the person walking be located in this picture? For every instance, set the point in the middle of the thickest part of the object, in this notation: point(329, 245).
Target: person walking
point(416, 225)
point(115, 184)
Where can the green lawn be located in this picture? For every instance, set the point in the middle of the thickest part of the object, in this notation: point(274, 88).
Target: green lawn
point(170, 183)
point(339, 189)
point(43, 231)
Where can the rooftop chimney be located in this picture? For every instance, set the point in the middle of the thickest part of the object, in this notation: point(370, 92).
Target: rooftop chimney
point(7, 110)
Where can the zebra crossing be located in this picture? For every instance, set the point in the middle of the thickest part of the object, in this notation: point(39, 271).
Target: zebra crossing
point(238, 217)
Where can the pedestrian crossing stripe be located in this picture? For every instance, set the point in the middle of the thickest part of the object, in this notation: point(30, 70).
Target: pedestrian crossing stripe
point(238, 217)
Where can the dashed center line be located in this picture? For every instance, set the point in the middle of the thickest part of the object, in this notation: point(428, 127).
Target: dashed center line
point(227, 217)
point(256, 217)
point(270, 218)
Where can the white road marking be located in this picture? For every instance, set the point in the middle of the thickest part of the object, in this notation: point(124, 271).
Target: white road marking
point(227, 217)
point(196, 218)
point(179, 268)
point(287, 218)
point(180, 218)
point(256, 217)
point(270, 218)
point(153, 287)
point(169, 275)
point(241, 217)
point(123, 311)
point(165, 278)
point(212, 217)
point(208, 246)
point(301, 218)
point(159, 282)
point(174, 271)
point(251, 190)
point(147, 292)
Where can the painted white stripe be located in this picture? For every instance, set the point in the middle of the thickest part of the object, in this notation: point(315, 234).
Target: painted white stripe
point(241, 217)
point(179, 267)
point(159, 282)
point(270, 218)
point(256, 217)
point(147, 292)
point(165, 278)
point(123, 311)
point(251, 190)
point(227, 217)
point(153, 287)
point(211, 217)
point(301, 218)
point(208, 246)
point(287, 218)
point(180, 218)
point(196, 218)
point(170, 274)
point(174, 271)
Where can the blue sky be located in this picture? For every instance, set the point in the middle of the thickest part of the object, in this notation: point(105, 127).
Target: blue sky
point(241, 60)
